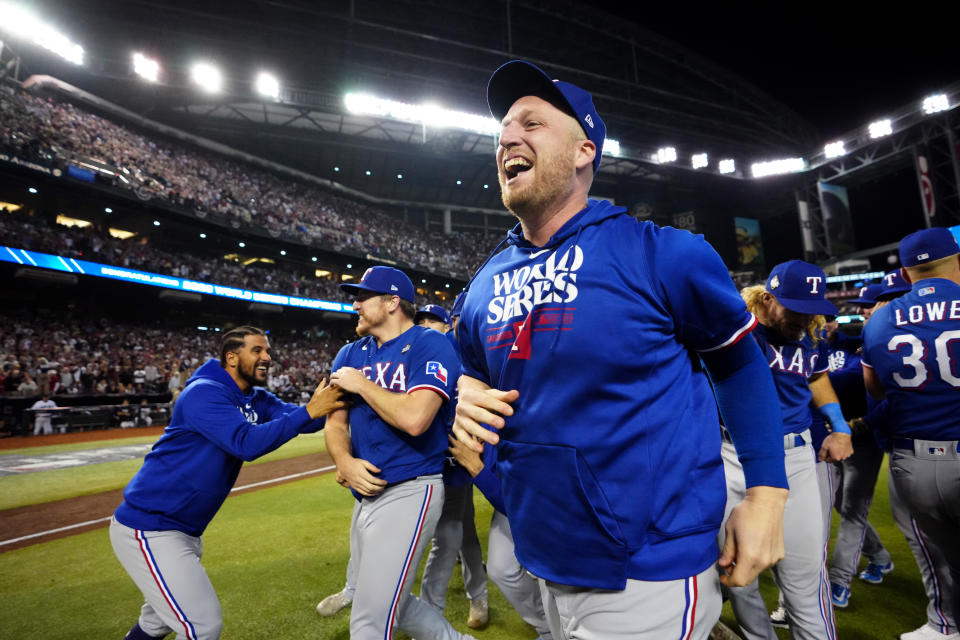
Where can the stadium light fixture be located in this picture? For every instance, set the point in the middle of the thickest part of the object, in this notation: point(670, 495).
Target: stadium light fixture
point(203, 236)
point(241, 244)
point(666, 154)
point(834, 149)
point(447, 285)
point(777, 167)
point(108, 210)
point(156, 223)
point(207, 77)
point(936, 104)
point(367, 172)
point(146, 68)
point(423, 281)
point(611, 147)
point(314, 258)
point(283, 252)
point(726, 166)
point(20, 21)
point(32, 189)
point(399, 176)
point(268, 85)
point(699, 160)
point(880, 128)
point(459, 182)
point(336, 169)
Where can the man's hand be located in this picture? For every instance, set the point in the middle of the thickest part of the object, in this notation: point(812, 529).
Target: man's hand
point(836, 447)
point(479, 404)
point(349, 379)
point(357, 474)
point(325, 399)
point(754, 536)
point(466, 456)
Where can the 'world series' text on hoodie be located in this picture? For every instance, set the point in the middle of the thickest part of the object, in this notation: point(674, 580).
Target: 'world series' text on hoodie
point(190, 470)
point(610, 466)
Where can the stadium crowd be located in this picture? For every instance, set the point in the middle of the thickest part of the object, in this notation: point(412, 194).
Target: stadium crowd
point(42, 129)
point(24, 231)
point(72, 356)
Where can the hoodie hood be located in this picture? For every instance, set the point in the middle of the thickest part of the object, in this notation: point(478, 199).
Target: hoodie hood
point(213, 372)
point(595, 212)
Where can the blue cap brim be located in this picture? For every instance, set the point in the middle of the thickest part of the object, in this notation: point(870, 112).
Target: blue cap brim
point(810, 307)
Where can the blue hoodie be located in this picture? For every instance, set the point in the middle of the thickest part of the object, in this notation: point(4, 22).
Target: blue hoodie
point(192, 467)
point(610, 466)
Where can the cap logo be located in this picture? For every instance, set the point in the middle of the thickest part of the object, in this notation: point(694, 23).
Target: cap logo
point(923, 256)
point(815, 282)
point(588, 120)
point(393, 287)
point(774, 282)
point(365, 274)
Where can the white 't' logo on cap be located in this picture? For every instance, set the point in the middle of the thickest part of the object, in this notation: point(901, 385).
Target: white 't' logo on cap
point(589, 120)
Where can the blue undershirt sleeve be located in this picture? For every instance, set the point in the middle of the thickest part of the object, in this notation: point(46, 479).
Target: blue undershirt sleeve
point(750, 408)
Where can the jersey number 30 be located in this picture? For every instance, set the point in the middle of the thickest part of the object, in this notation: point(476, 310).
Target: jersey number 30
point(918, 352)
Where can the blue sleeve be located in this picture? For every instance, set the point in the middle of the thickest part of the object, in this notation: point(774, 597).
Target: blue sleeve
point(472, 354)
point(212, 414)
point(706, 306)
point(739, 372)
point(489, 486)
point(433, 365)
point(270, 406)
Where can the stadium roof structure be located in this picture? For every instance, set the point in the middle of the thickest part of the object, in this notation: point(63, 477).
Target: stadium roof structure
point(652, 92)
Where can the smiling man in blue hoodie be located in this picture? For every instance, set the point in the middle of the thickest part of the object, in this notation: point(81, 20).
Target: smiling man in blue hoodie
point(221, 419)
point(586, 344)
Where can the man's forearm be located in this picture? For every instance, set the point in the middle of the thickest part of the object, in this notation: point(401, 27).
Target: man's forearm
point(409, 413)
point(337, 438)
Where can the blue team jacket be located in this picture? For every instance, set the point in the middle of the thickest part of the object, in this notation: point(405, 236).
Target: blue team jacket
point(610, 466)
point(192, 467)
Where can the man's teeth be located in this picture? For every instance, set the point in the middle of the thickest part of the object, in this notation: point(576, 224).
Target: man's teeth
point(518, 164)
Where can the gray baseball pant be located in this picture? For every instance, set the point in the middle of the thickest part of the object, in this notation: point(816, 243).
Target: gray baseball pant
point(456, 534)
point(393, 530)
point(685, 609)
point(178, 595)
point(520, 588)
point(926, 477)
point(801, 574)
point(859, 479)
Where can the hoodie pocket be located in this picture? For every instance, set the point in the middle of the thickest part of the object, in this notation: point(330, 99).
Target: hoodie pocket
point(563, 526)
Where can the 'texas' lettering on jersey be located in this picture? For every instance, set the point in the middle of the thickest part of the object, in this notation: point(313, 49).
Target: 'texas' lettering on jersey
point(789, 359)
point(551, 282)
point(390, 376)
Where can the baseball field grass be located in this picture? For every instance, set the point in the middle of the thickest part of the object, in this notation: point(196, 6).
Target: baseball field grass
point(274, 553)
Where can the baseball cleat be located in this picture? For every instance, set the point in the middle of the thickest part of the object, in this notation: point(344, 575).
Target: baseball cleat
point(840, 595)
point(333, 604)
point(479, 613)
point(874, 572)
point(926, 632)
point(778, 618)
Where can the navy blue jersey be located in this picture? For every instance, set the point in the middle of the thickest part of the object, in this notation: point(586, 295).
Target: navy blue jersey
point(792, 364)
point(913, 345)
point(610, 466)
point(419, 358)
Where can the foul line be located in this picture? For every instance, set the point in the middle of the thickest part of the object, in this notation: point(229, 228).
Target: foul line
point(99, 520)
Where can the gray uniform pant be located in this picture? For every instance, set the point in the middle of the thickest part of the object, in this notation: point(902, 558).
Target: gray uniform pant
point(801, 574)
point(520, 588)
point(456, 534)
point(392, 533)
point(42, 426)
point(926, 479)
point(684, 609)
point(165, 565)
point(859, 473)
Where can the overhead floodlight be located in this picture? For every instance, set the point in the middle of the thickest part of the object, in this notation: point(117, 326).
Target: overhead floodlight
point(611, 147)
point(146, 68)
point(726, 166)
point(24, 23)
point(428, 115)
point(699, 160)
point(268, 85)
point(207, 77)
point(935, 104)
point(834, 149)
point(880, 128)
point(666, 154)
point(777, 167)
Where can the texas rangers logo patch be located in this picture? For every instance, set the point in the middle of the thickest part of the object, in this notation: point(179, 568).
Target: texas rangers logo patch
point(774, 282)
point(436, 370)
point(926, 291)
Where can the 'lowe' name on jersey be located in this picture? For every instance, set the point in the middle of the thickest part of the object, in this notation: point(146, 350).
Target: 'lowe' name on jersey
point(517, 291)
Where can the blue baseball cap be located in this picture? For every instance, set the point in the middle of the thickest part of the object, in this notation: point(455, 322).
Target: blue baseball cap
point(894, 286)
point(433, 310)
point(927, 245)
point(458, 304)
point(799, 286)
point(519, 78)
point(868, 295)
point(383, 280)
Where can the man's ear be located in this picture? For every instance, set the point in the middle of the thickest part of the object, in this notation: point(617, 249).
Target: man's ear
point(586, 153)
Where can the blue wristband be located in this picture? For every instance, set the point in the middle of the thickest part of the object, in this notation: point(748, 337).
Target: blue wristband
point(833, 413)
